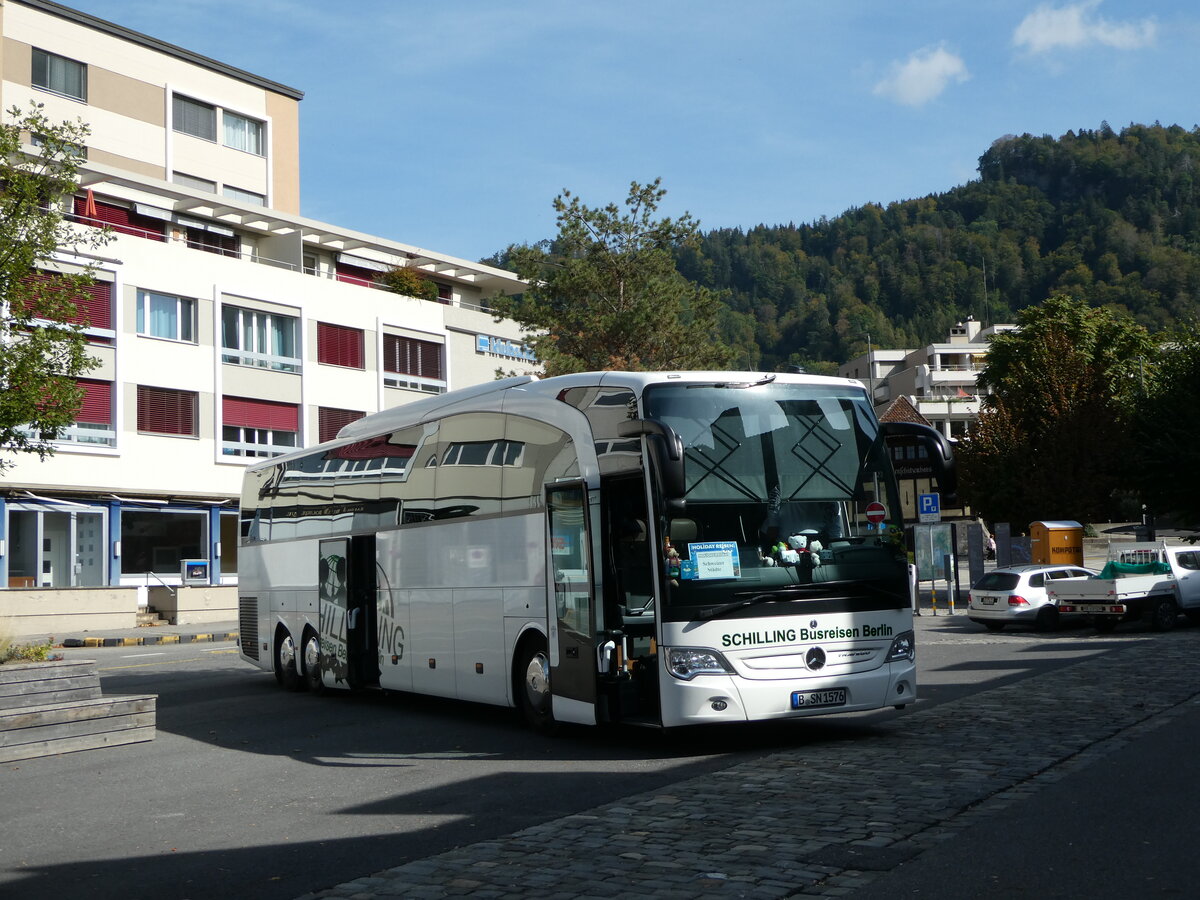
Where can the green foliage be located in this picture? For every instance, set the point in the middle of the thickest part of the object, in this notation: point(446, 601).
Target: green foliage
point(606, 294)
point(44, 350)
point(1053, 438)
point(1113, 217)
point(11, 651)
point(409, 282)
point(1166, 428)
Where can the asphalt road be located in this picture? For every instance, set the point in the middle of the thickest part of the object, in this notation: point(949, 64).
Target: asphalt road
point(251, 791)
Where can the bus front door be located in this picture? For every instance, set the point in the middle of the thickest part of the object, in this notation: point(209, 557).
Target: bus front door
point(348, 655)
point(572, 613)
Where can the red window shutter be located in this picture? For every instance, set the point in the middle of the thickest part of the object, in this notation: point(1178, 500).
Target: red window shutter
point(245, 412)
point(338, 345)
point(96, 408)
point(93, 309)
point(166, 411)
point(119, 218)
point(407, 356)
point(331, 421)
point(355, 274)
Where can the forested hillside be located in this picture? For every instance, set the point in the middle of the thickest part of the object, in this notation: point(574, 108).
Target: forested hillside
point(1113, 218)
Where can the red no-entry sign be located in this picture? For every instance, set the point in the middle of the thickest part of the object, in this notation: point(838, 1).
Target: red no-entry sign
point(876, 512)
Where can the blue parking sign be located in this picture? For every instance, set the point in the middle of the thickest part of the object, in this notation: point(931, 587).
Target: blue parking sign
point(929, 507)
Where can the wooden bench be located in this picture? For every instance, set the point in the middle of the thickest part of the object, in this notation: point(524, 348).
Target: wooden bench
point(57, 707)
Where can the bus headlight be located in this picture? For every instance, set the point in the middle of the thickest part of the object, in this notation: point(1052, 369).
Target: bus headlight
point(688, 662)
point(903, 647)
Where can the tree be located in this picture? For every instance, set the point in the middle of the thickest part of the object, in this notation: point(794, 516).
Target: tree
point(42, 345)
point(1166, 428)
point(409, 282)
point(605, 294)
point(1053, 438)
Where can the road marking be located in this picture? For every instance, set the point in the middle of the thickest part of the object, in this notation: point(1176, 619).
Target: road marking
point(140, 655)
point(219, 650)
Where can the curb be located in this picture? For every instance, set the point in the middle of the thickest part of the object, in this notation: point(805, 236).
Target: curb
point(152, 640)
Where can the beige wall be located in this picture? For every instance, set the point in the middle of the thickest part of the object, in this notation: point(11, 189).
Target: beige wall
point(285, 155)
point(30, 613)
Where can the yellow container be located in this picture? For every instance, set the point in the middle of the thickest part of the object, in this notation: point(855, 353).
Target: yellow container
point(1056, 543)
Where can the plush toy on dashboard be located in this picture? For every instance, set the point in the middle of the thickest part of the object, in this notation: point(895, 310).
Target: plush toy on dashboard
point(800, 550)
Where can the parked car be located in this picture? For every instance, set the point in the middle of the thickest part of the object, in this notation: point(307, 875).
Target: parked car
point(1017, 594)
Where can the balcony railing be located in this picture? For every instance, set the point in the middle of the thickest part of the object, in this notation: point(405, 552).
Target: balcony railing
point(254, 257)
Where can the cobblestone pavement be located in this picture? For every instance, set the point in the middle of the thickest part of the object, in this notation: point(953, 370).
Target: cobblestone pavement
point(825, 818)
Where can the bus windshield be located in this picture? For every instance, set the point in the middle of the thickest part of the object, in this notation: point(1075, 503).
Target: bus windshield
point(777, 481)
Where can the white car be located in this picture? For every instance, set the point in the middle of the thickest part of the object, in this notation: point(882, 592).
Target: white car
point(1018, 594)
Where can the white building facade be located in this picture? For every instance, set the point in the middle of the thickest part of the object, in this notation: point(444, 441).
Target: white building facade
point(227, 326)
point(939, 380)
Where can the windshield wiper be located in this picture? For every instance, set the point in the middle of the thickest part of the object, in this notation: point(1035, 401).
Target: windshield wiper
point(736, 385)
point(769, 597)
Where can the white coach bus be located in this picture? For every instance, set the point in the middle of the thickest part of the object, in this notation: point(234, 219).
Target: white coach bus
point(652, 548)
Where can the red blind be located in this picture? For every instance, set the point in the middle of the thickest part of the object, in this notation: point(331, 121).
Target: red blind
point(94, 308)
point(96, 408)
point(338, 345)
point(119, 218)
point(247, 413)
point(408, 356)
point(331, 421)
point(166, 411)
point(354, 274)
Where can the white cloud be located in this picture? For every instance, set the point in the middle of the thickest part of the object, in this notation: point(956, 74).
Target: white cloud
point(1051, 27)
point(923, 76)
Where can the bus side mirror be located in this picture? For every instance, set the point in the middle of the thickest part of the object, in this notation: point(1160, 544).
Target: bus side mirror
point(941, 455)
point(666, 449)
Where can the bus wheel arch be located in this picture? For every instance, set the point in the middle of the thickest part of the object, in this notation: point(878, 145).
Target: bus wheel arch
point(531, 682)
point(284, 655)
point(310, 660)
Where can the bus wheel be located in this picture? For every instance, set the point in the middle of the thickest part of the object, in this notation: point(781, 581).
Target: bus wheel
point(311, 660)
point(285, 662)
point(533, 686)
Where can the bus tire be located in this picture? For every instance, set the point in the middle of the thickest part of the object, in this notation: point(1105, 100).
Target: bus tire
point(310, 659)
point(531, 685)
point(1163, 613)
point(1106, 624)
point(285, 662)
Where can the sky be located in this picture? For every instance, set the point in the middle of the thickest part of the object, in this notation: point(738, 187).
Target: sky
point(451, 125)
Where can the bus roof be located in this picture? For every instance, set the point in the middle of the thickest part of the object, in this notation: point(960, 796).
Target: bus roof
point(468, 398)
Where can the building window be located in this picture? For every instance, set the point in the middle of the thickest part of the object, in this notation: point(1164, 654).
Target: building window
point(331, 421)
point(445, 292)
point(166, 411)
point(165, 316)
point(59, 74)
point(158, 540)
point(194, 118)
point(242, 133)
point(258, 427)
point(251, 197)
point(338, 345)
point(94, 422)
point(196, 184)
point(262, 339)
point(415, 364)
point(210, 237)
point(93, 304)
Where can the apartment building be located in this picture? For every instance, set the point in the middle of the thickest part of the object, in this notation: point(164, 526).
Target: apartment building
point(938, 380)
point(227, 326)
point(933, 385)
